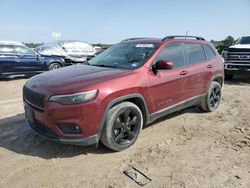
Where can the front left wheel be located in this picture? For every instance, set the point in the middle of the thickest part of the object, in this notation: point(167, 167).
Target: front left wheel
point(53, 66)
point(123, 125)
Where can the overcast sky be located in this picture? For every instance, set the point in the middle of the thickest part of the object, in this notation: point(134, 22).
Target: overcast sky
point(110, 21)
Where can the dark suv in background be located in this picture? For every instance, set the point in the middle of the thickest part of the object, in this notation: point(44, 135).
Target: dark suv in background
point(124, 88)
point(16, 58)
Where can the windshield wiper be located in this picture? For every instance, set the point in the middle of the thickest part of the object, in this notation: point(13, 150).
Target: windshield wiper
point(102, 65)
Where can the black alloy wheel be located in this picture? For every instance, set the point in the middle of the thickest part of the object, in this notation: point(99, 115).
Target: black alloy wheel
point(122, 127)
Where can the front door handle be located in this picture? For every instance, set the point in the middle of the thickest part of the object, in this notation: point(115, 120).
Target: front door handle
point(183, 72)
point(210, 66)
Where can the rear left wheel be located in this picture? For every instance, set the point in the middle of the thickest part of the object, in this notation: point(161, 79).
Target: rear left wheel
point(123, 125)
point(213, 97)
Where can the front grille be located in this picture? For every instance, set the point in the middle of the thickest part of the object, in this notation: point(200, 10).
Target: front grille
point(238, 57)
point(34, 98)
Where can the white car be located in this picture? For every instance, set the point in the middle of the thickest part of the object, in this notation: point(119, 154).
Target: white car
point(72, 51)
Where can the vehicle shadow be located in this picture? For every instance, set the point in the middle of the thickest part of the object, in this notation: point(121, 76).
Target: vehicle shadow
point(17, 77)
point(17, 136)
point(239, 80)
point(192, 109)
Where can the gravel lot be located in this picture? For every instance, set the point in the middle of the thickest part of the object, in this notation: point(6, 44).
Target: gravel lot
point(186, 149)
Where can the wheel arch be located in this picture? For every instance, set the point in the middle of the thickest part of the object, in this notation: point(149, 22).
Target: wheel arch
point(51, 62)
point(217, 78)
point(135, 98)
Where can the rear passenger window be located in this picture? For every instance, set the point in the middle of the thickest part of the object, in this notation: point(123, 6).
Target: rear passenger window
point(6, 49)
point(209, 52)
point(173, 52)
point(195, 53)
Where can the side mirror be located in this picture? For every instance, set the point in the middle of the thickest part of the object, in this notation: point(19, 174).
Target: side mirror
point(37, 56)
point(162, 64)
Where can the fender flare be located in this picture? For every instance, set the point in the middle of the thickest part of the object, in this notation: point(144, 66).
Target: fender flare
point(118, 100)
point(219, 75)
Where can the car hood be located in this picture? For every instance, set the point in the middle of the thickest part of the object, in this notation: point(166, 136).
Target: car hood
point(239, 46)
point(73, 78)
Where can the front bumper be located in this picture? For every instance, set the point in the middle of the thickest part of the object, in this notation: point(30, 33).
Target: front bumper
point(46, 122)
point(49, 134)
point(236, 66)
point(232, 67)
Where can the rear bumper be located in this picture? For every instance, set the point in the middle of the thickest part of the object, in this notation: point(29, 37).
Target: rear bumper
point(46, 132)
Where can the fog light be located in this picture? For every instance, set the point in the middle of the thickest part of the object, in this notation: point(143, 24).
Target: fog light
point(69, 128)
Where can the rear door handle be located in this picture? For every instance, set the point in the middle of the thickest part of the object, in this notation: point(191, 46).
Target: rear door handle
point(210, 66)
point(183, 72)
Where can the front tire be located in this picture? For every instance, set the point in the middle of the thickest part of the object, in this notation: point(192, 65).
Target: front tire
point(123, 125)
point(213, 98)
point(54, 66)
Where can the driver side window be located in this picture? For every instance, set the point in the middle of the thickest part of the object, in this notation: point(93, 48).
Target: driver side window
point(173, 52)
point(24, 51)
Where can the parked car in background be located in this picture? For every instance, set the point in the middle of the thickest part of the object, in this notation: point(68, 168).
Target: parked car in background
point(16, 58)
point(72, 51)
point(237, 58)
point(124, 88)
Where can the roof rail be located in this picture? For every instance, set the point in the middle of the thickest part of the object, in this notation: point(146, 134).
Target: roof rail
point(182, 36)
point(129, 39)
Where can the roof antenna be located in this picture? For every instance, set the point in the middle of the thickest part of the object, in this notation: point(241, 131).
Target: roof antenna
point(186, 34)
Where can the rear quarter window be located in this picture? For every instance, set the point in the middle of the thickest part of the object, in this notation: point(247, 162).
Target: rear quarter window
point(209, 52)
point(195, 53)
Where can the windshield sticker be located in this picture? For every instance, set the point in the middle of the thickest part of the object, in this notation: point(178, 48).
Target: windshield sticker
point(134, 65)
point(145, 46)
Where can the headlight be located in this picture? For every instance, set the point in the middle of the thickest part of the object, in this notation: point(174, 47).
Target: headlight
point(75, 98)
point(224, 54)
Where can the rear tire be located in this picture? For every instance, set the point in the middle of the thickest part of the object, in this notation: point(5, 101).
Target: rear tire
point(54, 66)
point(123, 125)
point(213, 97)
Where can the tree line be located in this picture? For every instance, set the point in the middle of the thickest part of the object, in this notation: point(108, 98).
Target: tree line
point(219, 44)
point(222, 44)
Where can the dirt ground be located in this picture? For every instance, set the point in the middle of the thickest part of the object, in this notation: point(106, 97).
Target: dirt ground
point(186, 149)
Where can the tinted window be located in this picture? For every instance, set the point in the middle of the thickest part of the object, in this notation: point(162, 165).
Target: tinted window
point(243, 40)
point(6, 49)
point(24, 50)
point(209, 52)
point(195, 53)
point(174, 53)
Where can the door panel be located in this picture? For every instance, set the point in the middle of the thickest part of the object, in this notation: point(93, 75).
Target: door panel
point(197, 68)
point(27, 60)
point(167, 86)
point(8, 59)
point(194, 83)
point(28, 63)
point(8, 62)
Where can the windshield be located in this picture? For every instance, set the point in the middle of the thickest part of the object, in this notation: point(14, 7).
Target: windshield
point(126, 56)
point(243, 40)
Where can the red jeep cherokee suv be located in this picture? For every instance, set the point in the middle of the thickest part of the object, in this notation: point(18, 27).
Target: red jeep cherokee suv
point(127, 86)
